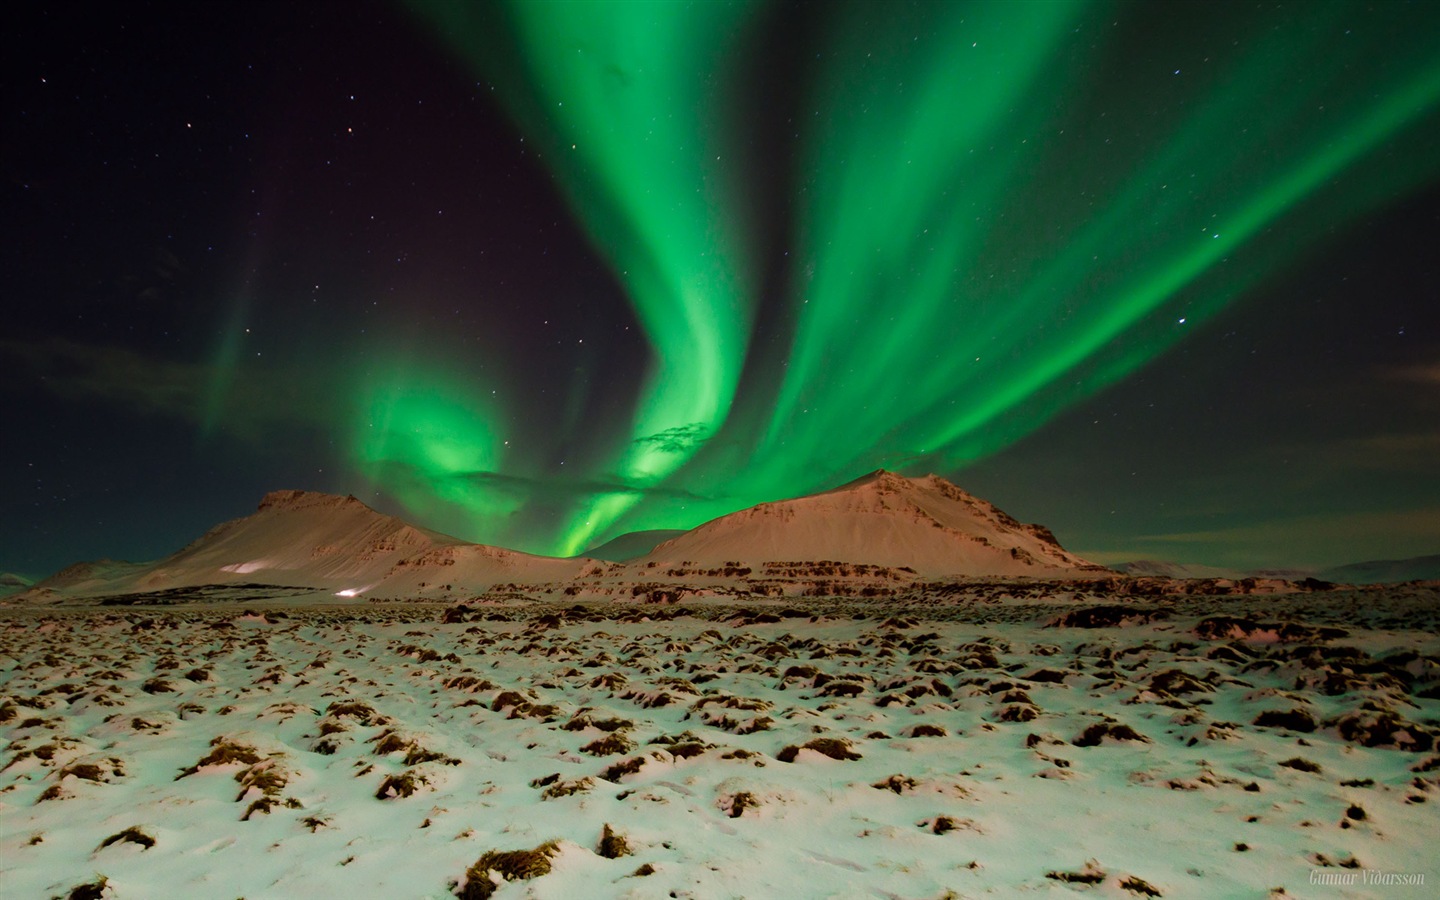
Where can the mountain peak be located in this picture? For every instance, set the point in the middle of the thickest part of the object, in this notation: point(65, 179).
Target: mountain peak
point(296, 499)
point(880, 478)
point(886, 480)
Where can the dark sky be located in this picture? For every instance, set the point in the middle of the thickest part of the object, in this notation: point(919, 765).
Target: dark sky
point(1161, 276)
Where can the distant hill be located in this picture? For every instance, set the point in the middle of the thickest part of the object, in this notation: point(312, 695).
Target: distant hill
point(1165, 569)
point(1380, 571)
point(1385, 571)
point(318, 541)
point(925, 524)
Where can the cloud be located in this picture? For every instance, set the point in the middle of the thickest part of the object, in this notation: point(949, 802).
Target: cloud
point(149, 385)
point(680, 439)
point(552, 488)
point(1392, 451)
point(540, 489)
point(112, 375)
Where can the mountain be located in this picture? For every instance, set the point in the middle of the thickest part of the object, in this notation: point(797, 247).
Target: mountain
point(632, 544)
point(1157, 568)
point(1385, 571)
point(926, 524)
point(323, 542)
point(1379, 571)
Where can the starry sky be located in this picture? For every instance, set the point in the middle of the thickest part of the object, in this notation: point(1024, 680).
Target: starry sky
point(1163, 277)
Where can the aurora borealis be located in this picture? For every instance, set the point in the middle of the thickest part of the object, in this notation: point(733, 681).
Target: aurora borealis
point(539, 274)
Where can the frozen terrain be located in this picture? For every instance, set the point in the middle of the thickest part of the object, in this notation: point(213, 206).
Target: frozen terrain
point(1048, 745)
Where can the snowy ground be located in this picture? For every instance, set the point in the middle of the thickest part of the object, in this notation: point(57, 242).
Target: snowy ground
point(381, 752)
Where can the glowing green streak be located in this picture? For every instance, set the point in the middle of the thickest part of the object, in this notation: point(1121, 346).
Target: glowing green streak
point(620, 94)
point(429, 439)
point(1130, 305)
point(908, 151)
point(902, 352)
point(972, 251)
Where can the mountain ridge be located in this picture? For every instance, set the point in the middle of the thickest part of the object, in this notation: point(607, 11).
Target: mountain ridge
point(915, 528)
point(315, 541)
point(926, 524)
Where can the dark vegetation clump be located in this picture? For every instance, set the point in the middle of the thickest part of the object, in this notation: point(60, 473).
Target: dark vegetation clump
point(468, 683)
point(609, 745)
point(1017, 712)
point(688, 749)
point(740, 802)
point(613, 845)
point(927, 730)
point(760, 723)
point(581, 721)
point(508, 698)
point(1047, 676)
point(132, 835)
point(835, 748)
point(53, 792)
point(557, 789)
point(622, 768)
point(842, 689)
point(1370, 727)
point(94, 890)
point(87, 771)
point(354, 709)
point(1136, 886)
point(897, 783)
point(510, 865)
point(1110, 616)
point(1216, 628)
point(404, 784)
point(1089, 874)
point(1290, 719)
point(224, 752)
point(1177, 683)
point(1300, 764)
point(1098, 732)
point(388, 742)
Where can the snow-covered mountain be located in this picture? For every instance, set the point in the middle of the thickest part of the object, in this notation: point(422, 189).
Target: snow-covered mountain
point(338, 546)
point(925, 524)
point(320, 541)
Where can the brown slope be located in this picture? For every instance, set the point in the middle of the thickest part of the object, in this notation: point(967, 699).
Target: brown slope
point(926, 524)
point(323, 541)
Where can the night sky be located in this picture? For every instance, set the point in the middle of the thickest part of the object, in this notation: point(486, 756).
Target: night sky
point(1162, 276)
